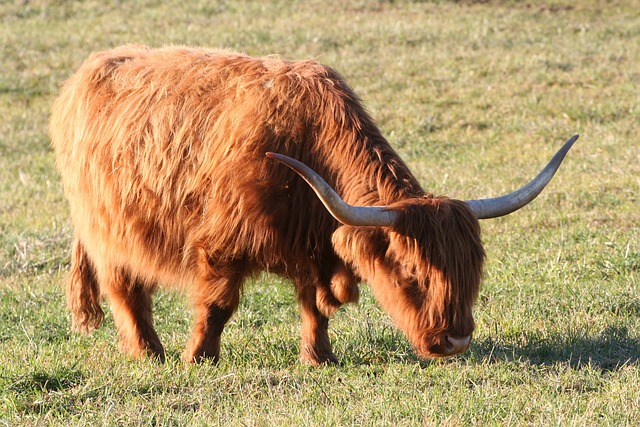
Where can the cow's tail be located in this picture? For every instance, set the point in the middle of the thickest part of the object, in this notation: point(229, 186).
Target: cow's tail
point(83, 291)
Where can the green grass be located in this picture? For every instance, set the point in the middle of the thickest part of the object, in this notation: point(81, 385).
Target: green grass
point(476, 96)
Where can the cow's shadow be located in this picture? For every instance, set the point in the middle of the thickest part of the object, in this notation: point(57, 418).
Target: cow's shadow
point(609, 350)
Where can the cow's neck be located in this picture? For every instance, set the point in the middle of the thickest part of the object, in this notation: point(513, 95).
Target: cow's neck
point(373, 176)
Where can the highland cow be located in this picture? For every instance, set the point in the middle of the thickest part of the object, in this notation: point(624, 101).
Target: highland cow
point(162, 158)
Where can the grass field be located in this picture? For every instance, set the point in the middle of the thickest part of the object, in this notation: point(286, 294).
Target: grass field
point(476, 96)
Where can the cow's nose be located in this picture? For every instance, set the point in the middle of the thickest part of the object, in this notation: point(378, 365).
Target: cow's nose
point(457, 345)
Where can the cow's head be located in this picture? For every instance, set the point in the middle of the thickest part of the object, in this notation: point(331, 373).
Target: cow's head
point(425, 270)
point(423, 257)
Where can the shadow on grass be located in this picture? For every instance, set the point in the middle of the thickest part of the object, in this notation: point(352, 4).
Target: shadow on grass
point(608, 351)
point(32, 393)
point(41, 381)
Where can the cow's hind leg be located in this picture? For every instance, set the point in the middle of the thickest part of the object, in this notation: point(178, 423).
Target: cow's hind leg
point(83, 291)
point(131, 306)
point(215, 296)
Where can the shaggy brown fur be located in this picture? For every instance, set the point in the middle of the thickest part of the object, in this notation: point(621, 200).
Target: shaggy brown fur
point(162, 157)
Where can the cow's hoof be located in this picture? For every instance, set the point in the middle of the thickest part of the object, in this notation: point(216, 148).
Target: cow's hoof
point(316, 358)
point(152, 350)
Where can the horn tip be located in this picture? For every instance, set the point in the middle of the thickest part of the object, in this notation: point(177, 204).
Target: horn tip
point(279, 157)
point(569, 143)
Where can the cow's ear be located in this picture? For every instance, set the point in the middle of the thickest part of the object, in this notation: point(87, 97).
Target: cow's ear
point(361, 248)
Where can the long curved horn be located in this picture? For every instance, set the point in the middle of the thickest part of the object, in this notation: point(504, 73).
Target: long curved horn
point(504, 205)
point(342, 211)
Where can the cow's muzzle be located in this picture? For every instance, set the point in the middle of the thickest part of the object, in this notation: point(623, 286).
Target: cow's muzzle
point(457, 345)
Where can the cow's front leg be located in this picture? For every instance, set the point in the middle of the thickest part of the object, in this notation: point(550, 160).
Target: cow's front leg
point(315, 347)
point(207, 330)
point(215, 296)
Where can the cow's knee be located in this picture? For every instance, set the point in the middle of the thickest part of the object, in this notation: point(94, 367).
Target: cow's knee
point(344, 285)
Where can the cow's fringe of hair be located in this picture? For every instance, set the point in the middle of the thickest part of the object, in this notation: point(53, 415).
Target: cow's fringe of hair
point(440, 239)
point(431, 262)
